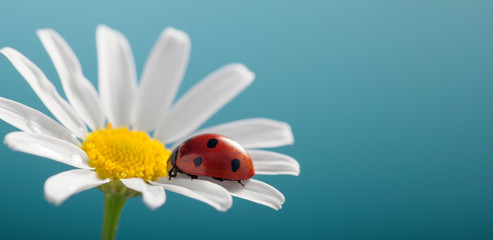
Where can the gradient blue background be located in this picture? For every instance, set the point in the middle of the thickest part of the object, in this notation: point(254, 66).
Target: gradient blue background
point(390, 103)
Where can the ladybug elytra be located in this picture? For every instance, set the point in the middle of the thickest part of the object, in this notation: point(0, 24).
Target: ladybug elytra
point(211, 155)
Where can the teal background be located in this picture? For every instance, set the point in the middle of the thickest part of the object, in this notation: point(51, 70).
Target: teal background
point(390, 103)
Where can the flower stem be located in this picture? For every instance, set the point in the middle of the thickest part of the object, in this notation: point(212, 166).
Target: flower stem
point(113, 206)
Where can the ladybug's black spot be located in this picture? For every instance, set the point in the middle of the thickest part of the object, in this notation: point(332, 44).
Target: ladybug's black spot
point(197, 161)
point(212, 143)
point(235, 164)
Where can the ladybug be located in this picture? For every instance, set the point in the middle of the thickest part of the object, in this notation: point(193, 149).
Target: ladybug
point(211, 155)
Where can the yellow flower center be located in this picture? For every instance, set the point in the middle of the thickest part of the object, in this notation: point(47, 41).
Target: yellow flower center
point(121, 153)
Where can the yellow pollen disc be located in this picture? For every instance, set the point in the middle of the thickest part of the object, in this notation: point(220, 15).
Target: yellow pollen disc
point(121, 153)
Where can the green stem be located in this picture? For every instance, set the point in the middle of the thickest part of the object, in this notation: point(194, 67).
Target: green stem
point(113, 206)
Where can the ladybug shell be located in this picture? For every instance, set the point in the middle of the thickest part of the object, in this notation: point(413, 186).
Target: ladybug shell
point(215, 156)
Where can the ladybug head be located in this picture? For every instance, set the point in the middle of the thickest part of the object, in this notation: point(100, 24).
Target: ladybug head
point(171, 167)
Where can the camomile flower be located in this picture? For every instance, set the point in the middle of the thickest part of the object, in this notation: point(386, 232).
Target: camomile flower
point(107, 135)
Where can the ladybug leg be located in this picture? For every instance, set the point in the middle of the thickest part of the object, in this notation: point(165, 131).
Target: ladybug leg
point(242, 184)
point(193, 177)
point(172, 173)
point(219, 179)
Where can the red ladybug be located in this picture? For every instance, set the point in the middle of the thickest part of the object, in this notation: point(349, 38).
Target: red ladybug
point(211, 155)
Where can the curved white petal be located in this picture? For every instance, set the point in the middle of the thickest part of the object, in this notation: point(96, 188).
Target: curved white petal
point(201, 190)
point(255, 191)
point(161, 78)
point(46, 92)
point(253, 132)
point(153, 196)
point(272, 163)
point(203, 100)
point(65, 184)
point(79, 91)
point(48, 147)
point(117, 76)
point(31, 120)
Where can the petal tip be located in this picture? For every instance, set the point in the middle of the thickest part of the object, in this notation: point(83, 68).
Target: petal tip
point(7, 140)
point(49, 198)
point(5, 50)
point(103, 29)
point(242, 70)
point(153, 204)
point(53, 200)
point(176, 34)
point(43, 31)
point(276, 206)
point(289, 134)
point(152, 207)
point(222, 209)
point(228, 205)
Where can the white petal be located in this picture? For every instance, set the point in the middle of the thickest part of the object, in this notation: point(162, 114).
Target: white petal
point(79, 91)
point(272, 163)
point(48, 147)
point(255, 191)
point(153, 196)
point(161, 78)
point(253, 133)
point(201, 190)
point(63, 185)
point(31, 120)
point(203, 100)
point(117, 76)
point(46, 92)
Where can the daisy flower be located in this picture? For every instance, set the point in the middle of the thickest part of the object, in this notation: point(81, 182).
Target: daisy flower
point(117, 138)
